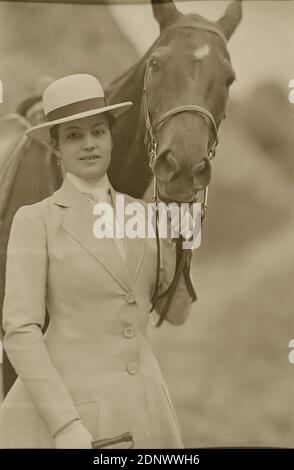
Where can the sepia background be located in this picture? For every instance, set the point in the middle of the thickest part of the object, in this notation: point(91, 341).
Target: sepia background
point(227, 367)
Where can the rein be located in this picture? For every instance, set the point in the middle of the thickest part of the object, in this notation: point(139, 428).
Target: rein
point(183, 256)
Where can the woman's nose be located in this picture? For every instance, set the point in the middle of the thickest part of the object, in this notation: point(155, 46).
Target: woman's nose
point(89, 143)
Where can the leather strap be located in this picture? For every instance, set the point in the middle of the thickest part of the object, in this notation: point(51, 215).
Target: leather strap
point(183, 256)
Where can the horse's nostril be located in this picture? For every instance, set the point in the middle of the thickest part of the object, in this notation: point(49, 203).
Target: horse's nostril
point(202, 166)
point(166, 166)
point(202, 174)
point(172, 162)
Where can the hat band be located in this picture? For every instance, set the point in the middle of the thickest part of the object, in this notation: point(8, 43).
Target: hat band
point(76, 108)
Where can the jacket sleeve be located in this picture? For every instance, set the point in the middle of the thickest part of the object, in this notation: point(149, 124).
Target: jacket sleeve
point(181, 303)
point(24, 312)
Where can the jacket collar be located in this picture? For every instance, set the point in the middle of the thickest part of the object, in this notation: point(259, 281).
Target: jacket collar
point(79, 221)
point(87, 188)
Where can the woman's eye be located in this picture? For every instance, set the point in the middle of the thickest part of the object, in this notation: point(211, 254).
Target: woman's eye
point(99, 132)
point(154, 65)
point(73, 135)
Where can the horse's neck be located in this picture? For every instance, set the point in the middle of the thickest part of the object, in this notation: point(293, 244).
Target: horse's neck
point(130, 84)
point(129, 87)
point(129, 171)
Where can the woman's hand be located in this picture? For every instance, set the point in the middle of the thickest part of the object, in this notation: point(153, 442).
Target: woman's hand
point(74, 436)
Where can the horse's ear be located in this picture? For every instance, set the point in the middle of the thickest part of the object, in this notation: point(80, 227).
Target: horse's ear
point(165, 12)
point(231, 18)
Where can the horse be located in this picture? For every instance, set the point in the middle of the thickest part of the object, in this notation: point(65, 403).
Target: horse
point(21, 160)
point(180, 90)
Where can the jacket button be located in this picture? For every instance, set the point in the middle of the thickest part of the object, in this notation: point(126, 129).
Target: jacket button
point(129, 332)
point(133, 368)
point(130, 298)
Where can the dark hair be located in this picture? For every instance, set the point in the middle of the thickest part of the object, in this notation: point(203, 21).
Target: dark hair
point(54, 130)
point(110, 119)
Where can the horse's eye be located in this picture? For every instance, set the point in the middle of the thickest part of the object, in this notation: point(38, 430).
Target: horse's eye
point(154, 65)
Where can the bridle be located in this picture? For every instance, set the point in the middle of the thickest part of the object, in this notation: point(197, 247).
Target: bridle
point(151, 128)
point(183, 256)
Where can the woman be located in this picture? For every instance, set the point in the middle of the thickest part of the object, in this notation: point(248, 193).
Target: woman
point(93, 374)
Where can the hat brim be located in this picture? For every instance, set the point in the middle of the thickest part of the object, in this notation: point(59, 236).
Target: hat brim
point(42, 134)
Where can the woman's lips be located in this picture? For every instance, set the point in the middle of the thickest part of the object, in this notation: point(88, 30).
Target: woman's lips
point(89, 158)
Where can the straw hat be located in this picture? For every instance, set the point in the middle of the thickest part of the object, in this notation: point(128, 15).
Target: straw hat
point(73, 97)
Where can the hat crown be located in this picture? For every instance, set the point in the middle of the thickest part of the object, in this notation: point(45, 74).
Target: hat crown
point(71, 89)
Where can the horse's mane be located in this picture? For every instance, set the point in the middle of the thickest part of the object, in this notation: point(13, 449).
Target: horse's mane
point(125, 80)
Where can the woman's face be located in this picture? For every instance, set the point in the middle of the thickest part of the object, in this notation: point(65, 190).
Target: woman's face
point(84, 146)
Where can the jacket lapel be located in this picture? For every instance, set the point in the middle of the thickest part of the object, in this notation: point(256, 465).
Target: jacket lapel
point(134, 246)
point(79, 221)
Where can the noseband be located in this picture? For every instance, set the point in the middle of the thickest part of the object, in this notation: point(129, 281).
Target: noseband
point(183, 256)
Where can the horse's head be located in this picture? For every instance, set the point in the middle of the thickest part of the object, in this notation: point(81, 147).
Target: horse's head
point(188, 65)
